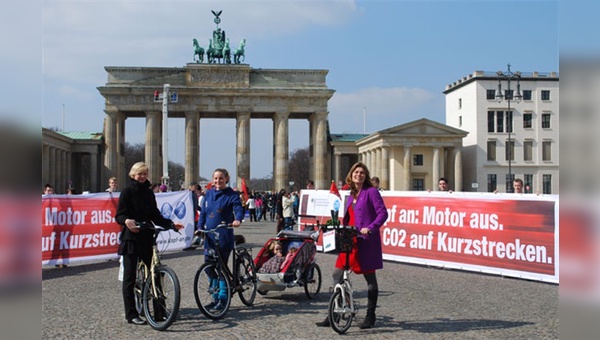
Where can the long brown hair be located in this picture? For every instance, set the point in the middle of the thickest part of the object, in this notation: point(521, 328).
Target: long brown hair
point(366, 184)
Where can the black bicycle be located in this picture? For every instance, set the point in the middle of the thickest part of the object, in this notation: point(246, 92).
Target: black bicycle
point(157, 292)
point(215, 274)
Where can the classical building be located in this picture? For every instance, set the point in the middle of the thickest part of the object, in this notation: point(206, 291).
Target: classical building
point(227, 91)
point(411, 156)
point(72, 159)
point(472, 105)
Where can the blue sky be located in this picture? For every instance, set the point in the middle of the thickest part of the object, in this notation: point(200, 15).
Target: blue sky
point(392, 57)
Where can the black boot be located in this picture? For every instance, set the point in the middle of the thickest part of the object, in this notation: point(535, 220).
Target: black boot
point(324, 323)
point(369, 320)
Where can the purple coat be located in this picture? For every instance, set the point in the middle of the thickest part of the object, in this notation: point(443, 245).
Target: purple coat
point(369, 212)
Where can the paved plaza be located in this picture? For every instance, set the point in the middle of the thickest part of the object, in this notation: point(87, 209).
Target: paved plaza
point(415, 302)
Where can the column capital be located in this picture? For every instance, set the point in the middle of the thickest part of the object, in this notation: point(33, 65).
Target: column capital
point(243, 115)
point(281, 115)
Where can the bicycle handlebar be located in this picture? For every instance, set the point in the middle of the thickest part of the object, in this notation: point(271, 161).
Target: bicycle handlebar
point(151, 226)
point(222, 225)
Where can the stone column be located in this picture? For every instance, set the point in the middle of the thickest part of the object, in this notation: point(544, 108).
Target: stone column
point(243, 147)
point(45, 164)
point(94, 185)
point(69, 169)
point(436, 168)
point(337, 156)
point(281, 150)
point(458, 178)
point(367, 161)
point(192, 147)
point(120, 133)
point(111, 142)
point(407, 167)
point(377, 164)
point(385, 167)
point(320, 156)
point(153, 153)
point(52, 177)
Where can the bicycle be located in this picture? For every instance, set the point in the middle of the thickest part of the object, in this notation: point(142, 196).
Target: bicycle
point(342, 307)
point(215, 272)
point(156, 291)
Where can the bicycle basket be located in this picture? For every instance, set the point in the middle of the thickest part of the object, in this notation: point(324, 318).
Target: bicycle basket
point(345, 241)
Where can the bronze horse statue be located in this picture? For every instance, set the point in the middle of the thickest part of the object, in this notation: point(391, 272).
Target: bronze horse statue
point(239, 52)
point(198, 51)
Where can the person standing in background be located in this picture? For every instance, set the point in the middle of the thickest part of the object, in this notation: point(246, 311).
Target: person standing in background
point(112, 185)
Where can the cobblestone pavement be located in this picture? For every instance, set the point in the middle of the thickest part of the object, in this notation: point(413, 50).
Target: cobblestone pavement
point(415, 302)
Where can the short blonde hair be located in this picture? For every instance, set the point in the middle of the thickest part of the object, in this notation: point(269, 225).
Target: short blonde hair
point(137, 168)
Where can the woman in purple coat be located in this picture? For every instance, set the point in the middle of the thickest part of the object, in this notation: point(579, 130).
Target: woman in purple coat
point(366, 211)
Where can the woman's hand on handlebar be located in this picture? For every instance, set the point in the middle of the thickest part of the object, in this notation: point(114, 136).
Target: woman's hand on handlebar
point(131, 224)
point(178, 226)
point(365, 231)
point(236, 223)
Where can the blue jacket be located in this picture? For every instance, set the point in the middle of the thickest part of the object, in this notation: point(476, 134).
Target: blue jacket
point(221, 205)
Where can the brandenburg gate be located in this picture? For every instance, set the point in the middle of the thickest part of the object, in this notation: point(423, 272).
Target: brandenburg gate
point(227, 91)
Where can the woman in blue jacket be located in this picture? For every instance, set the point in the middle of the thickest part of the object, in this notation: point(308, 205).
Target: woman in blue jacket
point(221, 204)
point(366, 211)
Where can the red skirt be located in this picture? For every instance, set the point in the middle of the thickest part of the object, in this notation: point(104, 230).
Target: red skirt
point(354, 264)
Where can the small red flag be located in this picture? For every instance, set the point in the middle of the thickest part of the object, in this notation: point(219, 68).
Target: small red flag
point(334, 190)
point(244, 189)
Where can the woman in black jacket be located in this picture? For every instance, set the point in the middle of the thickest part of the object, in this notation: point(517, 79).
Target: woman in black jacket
point(137, 203)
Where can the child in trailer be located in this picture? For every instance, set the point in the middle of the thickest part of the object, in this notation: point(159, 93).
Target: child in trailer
point(274, 264)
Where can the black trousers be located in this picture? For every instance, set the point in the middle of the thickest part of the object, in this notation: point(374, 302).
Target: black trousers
point(130, 261)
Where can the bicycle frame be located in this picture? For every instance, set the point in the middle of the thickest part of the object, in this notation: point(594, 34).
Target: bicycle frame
point(219, 261)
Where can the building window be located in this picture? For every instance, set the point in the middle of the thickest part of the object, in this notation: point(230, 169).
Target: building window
point(500, 121)
point(528, 150)
point(547, 184)
point(545, 120)
point(459, 103)
point(547, 151)
point(509, 183)
point(527, 118)
point(418, 184)
point(459, 121)
point(545, 94)
point(418, 160)
point(491, 182)
point(491, 123)
point(509, 121)
point(526, 94)
point(491, 150)
point(510, 150)
point(528, 182)
point(490, 94)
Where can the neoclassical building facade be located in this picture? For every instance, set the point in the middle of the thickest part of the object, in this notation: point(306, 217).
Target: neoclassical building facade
point(72, 159)
point(411, 156)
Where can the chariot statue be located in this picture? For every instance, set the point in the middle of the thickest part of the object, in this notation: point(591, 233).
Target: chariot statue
point(218, 50)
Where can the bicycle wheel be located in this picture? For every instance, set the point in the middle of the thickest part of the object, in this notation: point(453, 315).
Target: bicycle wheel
point(161, 299)
point(312, 280)
point(138, 288)
point(246, 279)
point(340, 316)
point(206, 291)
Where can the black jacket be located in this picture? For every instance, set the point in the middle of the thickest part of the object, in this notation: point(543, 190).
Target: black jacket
point(137, 201)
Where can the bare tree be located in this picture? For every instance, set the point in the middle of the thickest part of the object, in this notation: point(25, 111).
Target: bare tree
point(299, 166)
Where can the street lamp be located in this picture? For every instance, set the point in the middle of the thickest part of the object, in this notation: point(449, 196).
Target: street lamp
point(509, 76)
point(291, 185)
